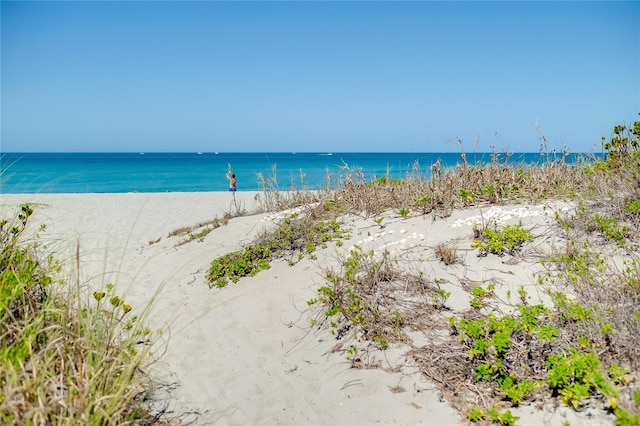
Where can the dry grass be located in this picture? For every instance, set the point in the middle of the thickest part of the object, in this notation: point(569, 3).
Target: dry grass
point(446, 253)
point(462, 186)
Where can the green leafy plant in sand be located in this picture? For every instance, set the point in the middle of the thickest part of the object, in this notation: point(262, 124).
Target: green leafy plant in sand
point(359, 294)
point(296, 236)
point(610, 228)
point(576, 368)
point(426, 202)
point(507, 240)
point(573, 373)
point(440, 296)
point(479, 294)
point(343, 299)
point(505, 418)
point(403, 212)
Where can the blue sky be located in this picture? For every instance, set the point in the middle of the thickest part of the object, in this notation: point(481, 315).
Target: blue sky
point(316, 76)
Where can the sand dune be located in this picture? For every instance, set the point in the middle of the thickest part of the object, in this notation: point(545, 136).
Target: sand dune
point(247, 353)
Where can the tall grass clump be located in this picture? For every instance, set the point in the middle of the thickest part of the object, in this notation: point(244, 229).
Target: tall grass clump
point(271, 198)
point(465, 185)
point(65, 358)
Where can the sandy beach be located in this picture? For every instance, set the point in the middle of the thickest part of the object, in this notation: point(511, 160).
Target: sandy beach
point(247, 353)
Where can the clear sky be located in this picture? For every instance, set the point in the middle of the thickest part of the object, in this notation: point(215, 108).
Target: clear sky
point(316, 76)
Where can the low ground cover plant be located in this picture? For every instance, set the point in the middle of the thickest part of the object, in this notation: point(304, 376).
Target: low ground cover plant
point(295, 237)
point(361, 300)
point(509, 240)
point(351, 298)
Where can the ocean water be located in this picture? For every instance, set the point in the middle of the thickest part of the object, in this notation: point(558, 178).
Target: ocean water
point(178, 172)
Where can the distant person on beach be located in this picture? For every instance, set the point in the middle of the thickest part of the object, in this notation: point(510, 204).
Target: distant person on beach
point(232, 181)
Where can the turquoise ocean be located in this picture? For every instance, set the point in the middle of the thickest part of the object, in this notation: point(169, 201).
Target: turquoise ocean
point(29, 173)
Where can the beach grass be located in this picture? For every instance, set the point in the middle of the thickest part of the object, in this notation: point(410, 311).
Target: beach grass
point(65, 357)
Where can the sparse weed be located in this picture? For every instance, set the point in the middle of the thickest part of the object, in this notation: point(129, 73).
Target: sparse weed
point(440, 296)
point(426, 203)
point(446, 253)
point(404, 212)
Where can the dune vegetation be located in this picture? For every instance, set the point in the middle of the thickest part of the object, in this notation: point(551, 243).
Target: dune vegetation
point(69, 356)
point(66, 357)
point(581, 350)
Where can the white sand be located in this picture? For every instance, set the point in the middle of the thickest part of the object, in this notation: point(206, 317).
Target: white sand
point(246, 354)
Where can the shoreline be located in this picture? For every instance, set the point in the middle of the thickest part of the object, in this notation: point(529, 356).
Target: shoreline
point(186, 172)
